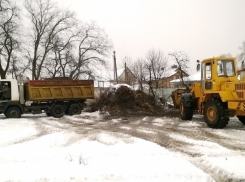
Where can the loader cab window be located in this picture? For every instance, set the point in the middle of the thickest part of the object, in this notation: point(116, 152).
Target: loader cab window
point(225, 68)
point(208, 71)
point(5, 90)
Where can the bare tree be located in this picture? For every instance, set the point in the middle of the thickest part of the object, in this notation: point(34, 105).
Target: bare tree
point(77, 55)
point(47, 22)
point(241, 56)
point(155, 64)
point(93, 45)
point(182, 60)
point(14, 67)
point(59, 59)
point(225, 55)
point(9, 16)
point(138, 68)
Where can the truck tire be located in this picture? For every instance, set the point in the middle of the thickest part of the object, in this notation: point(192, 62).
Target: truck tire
point(75, 109)
point(48, 114)
point(13, 112)
point(57, 111)
point(186, 112)
point(214, 114)
point(241, 118)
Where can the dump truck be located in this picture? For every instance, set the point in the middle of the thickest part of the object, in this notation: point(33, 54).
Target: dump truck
point(55, 97)
point(218, 96)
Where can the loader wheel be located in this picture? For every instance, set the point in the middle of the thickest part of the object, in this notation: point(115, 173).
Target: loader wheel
point(214, 114)
point(75, 109)
point(13, 112)
point(241, 118)
point(186, 113)
point(57, 111)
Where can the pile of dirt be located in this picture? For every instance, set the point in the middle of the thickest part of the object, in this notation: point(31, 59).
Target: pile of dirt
point(124, 101)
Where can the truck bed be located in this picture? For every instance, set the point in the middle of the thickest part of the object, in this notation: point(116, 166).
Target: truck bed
point(50, 90)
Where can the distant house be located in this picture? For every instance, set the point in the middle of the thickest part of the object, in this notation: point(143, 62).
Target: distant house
point(125, 76)
point(172, 74)
point(189, 80)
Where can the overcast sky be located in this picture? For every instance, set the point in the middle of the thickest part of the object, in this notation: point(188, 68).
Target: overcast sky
point(201, 28)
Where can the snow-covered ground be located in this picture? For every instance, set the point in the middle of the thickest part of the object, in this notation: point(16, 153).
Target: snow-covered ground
point(89, 148)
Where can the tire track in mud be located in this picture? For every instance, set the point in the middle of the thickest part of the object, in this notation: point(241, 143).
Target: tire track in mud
point(148, 130)
point(161, 134)
point(44, 125)
point(39, 133)
point(160, 130)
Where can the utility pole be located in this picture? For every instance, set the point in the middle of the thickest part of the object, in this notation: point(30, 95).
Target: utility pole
point(115, 67)
point(126, 76)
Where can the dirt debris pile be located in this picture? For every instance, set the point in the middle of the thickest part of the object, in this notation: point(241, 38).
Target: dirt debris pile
point(121, 100)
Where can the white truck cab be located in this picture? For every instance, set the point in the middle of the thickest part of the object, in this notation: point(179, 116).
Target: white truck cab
point(10, 86)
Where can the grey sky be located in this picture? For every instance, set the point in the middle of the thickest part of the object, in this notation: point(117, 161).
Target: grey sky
point(201, 28)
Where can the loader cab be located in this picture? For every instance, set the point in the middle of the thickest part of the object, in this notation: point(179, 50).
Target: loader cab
point(217, 71)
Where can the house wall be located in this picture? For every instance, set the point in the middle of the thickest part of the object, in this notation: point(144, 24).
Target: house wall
point(165, 82)
point(127, 77)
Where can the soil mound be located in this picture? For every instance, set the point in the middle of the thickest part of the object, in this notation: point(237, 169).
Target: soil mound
point(121, 100)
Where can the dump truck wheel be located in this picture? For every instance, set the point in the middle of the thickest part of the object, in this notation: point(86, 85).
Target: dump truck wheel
point(13, 112)
point(241, 118)
point(214, 114)
point(186, 113)
point(48, 113)
point(75, 109)
point(57, 111)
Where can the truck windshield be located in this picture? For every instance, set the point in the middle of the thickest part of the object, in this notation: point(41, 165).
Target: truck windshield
point(225, 68)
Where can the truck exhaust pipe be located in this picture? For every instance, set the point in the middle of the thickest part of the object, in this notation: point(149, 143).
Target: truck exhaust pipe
point(21, 89)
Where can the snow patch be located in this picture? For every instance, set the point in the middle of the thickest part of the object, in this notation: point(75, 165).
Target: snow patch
point(161, 121)
point(190, 124)
point(12, 130)
point(103, 156)
point(120, 85)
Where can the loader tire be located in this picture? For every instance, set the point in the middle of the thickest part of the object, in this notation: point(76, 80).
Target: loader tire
point(186, 112)
point(57, 111)
point(241, 118)
point(214, 114)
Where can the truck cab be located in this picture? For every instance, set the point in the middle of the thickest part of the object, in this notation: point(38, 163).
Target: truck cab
point(9, 90)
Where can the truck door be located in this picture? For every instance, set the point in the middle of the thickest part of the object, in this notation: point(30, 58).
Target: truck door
point(207, 76)
point(5, 90)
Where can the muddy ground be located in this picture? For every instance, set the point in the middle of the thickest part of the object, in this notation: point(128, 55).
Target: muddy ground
point(152, 129)
point(172, 133)
point(128, 116)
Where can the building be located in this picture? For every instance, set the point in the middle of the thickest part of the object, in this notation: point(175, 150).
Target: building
point(106, 79)
point(173, 74)
point(189, 80)
point(125, 77)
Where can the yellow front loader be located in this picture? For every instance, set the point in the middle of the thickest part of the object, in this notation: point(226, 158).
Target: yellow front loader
point(219, 94)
